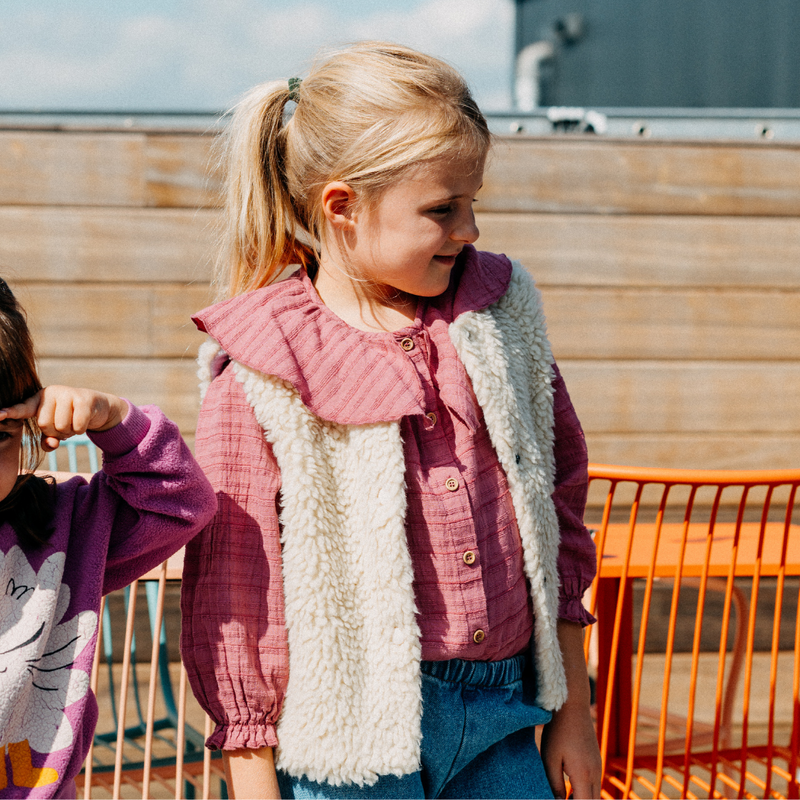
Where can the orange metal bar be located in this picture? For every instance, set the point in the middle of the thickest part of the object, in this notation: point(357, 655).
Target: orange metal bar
point(207, 763)
point(794, 784)
point(776, 630)
point(616, 637)
point(723, 648)
point(180, 734)
point(613, 644)
point(751, 631)
point(93, 681)
point(123, 691)
point(153, 686)
point(701, 599)
point(694, 477)
point(637, 682)
point(673, 618)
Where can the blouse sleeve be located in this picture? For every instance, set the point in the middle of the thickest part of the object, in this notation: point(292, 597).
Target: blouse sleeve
point(233, 639)
point(577, 558)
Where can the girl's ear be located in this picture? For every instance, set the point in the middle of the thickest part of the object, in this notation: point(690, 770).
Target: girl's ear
point(338, 203)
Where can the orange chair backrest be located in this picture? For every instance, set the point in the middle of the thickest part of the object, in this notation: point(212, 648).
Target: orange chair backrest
point(698, 643)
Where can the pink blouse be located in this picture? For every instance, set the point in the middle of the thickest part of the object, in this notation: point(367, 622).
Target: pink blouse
point(462, 531)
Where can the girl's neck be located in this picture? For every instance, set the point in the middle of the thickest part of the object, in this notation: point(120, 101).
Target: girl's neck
point(361, 307)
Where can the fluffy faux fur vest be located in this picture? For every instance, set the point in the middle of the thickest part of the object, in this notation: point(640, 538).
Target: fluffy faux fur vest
point(353, 703)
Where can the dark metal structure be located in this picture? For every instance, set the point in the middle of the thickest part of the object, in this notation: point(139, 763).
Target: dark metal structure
point(658, 53)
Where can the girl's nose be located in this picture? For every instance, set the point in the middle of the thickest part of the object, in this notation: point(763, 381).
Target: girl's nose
point(466, 230)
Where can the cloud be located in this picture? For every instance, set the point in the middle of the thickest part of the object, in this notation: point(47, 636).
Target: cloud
point(202, 54)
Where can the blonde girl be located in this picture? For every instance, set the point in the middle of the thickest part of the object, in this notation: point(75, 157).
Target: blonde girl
point(387, 603)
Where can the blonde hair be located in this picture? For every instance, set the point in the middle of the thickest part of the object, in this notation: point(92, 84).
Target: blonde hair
point(364, 115)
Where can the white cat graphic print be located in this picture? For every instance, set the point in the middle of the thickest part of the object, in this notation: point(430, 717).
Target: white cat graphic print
point(37, 678)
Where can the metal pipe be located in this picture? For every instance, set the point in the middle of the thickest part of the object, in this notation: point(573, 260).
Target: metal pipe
point(528, 77)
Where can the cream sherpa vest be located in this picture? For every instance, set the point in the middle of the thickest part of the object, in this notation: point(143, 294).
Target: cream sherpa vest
point(353, 703)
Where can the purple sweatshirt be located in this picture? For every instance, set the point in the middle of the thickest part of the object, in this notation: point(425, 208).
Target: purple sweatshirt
point(150, 498)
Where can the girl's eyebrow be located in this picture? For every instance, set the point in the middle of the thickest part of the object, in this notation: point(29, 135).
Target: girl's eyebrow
point(456, 196)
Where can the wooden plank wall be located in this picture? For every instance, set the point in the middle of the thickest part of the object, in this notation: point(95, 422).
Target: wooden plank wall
point(107, 239)
point(670, 271)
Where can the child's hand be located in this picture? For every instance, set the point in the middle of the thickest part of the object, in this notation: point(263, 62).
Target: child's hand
point(569, 742)
point(62, 411)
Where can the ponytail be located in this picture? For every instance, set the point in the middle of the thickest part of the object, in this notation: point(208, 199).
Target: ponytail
point(261, 225)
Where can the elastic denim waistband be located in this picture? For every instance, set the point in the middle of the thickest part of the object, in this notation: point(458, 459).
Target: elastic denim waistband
point(477, 673)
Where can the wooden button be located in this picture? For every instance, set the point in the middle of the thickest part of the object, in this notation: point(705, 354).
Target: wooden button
point(478, 636)
point(407, 344)
point(451, 484)
point(431, 417)
point(469, 558)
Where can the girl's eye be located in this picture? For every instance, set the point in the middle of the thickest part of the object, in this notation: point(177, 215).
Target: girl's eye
point(441, 210)
point(4, 436)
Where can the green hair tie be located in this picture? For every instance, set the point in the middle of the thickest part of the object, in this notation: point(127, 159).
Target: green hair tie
point(294, 87)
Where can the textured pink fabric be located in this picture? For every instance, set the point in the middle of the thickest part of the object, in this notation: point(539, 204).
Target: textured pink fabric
point(234, 641)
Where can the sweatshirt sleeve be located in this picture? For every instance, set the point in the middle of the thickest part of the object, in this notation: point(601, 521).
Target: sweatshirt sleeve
point(151, 494)
point(233, 639)
point(577, 558)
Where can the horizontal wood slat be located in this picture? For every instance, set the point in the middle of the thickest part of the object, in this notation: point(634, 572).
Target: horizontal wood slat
point(124, 320)
point(696, 450)
point(685, 397)
point(169, 383)
point(63, 169)
point(593, 250)
point(106, 244)
point(107, 169)
point(181, 171)
point(659, 323)
point(596, 175)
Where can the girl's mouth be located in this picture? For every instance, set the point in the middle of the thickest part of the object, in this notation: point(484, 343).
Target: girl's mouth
point(449, 260)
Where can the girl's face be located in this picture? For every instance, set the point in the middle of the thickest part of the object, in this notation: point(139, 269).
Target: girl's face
point(10, 449)
point(408, 241)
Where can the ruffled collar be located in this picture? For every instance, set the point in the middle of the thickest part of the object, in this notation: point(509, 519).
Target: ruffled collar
point(285, 330)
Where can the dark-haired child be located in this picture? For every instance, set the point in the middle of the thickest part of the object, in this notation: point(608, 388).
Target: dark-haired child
point(64, 546)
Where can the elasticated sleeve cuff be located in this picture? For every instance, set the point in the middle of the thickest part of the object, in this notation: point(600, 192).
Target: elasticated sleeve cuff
point(122, 438)
point(570, 603)
point(242, 737)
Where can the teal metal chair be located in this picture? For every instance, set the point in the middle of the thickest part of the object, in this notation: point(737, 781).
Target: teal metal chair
point(71, 446)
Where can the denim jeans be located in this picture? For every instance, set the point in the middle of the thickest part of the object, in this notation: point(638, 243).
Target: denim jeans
point(478, 738)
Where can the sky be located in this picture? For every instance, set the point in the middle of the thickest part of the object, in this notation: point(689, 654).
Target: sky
point(201, 55)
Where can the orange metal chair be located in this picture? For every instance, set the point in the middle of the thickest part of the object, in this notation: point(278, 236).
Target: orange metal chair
point(698, 641)
point(143, 761)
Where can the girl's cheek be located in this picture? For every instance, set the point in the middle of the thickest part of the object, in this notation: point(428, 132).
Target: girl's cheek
point(9, 470)
point(10, 454)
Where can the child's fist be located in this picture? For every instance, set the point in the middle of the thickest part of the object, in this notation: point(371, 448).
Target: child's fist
point(63, 411)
